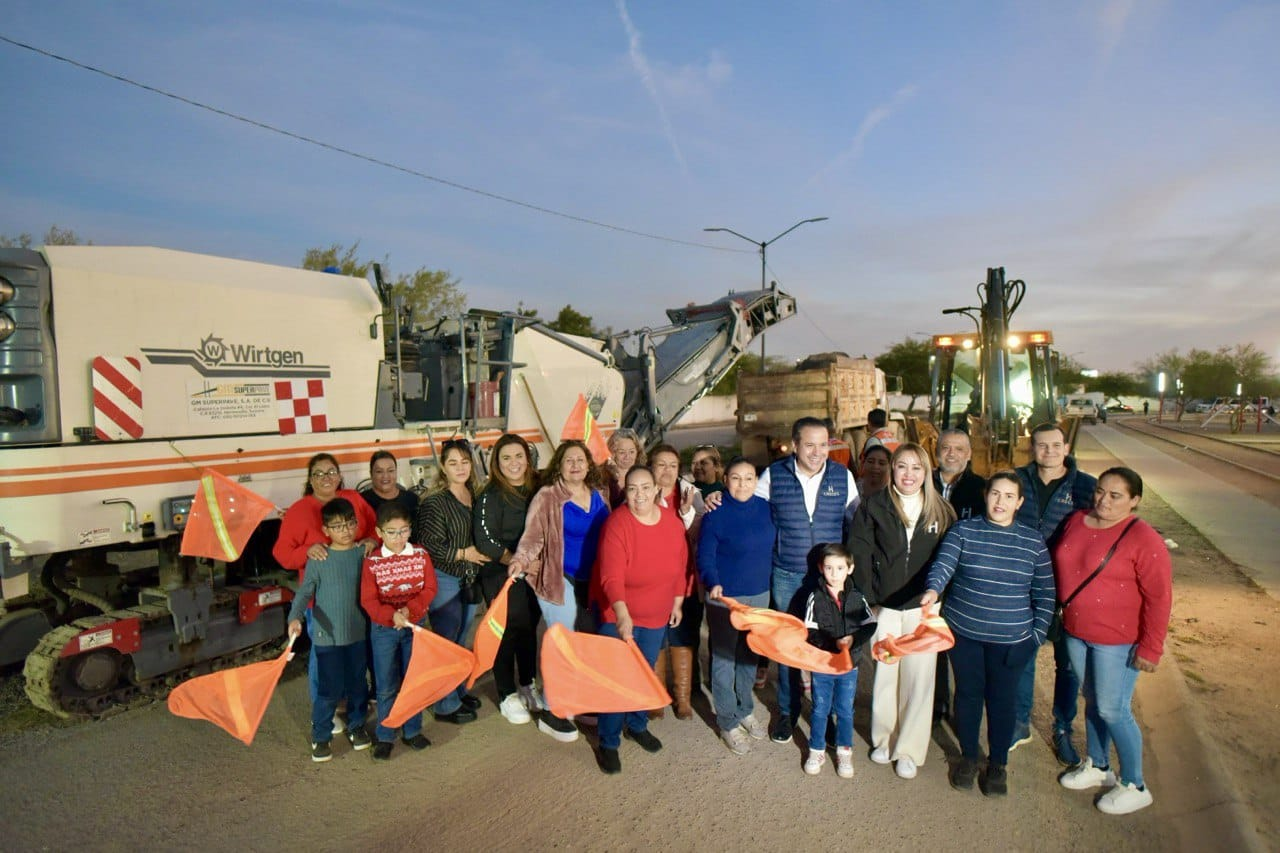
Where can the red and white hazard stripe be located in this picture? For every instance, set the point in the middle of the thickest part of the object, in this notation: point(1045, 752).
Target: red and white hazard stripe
point(117, 398)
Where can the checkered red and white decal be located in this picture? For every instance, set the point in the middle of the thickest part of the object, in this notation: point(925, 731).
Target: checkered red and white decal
point(300, 405)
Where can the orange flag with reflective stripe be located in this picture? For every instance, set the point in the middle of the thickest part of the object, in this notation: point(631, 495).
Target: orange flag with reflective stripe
point(232, 699)
point(581, 425)
point(783, 638)
point(588, 673)
point(436, 666)
point(489, 634)
point(931, 635)
point(223, 516)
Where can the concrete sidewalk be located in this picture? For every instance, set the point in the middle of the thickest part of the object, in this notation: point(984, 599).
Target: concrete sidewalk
point(1239, 525)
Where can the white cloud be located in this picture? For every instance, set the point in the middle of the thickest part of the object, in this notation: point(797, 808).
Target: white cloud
point(641, 64)
point(869, 122)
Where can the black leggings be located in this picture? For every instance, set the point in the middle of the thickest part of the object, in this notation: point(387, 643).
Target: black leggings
point(519, 647)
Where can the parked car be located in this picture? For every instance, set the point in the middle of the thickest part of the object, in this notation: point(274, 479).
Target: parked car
point(1122, 408)
point(1084, 408)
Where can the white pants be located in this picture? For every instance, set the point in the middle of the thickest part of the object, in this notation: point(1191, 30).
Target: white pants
point(902, 693)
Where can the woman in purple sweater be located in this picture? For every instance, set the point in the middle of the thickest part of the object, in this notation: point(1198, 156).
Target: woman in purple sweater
point(735, 558)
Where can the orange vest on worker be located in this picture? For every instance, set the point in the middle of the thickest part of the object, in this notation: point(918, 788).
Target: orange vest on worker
point(886, 437)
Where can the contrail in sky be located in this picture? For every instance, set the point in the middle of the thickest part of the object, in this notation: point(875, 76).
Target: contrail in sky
point(641, 64)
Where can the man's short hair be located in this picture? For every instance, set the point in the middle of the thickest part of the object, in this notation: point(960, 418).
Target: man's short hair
point(954, 431)
point(877, 418)
point(805, 423)
point(1047, 426)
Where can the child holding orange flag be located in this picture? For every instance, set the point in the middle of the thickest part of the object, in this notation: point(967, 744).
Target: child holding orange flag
point(837, 617)
point(337, 630)
point(396, 589)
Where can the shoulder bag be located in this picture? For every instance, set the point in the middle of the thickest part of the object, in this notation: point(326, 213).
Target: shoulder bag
point(1055, 626)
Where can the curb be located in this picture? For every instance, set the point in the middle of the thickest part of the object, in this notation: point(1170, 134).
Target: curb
point(1196, 794)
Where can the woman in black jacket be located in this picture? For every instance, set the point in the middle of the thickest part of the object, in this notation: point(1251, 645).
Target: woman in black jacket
point(498, 523)
point(892, 538)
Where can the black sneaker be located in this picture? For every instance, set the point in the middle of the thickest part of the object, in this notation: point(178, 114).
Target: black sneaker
point(963, 774)
point(382, 750)
point(645, 739)
point(609, 761)
point(782, 731)
point(321, 751)
point(418, 741)
point(558, 727)
point(460, 716)
point(359, 738)
point(470, 702)
point(994, 783)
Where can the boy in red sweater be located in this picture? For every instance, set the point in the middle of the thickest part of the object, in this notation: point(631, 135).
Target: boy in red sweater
point(396, 587)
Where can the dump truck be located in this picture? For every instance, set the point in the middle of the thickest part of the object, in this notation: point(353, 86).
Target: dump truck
point(125, 371)
point(827, 385)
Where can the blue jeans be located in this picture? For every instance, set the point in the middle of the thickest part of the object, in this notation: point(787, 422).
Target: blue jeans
point(1066, 688)
point(988, 676)
point(786, 587)
point(391, 650)
point(832, 693)
point(341, 672)
point(572, 615)
point(1109, 679)
point(449, 617)
point(650, 642)
point(733, 664)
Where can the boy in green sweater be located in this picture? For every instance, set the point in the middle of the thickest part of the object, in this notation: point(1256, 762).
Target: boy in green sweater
point(338, 630)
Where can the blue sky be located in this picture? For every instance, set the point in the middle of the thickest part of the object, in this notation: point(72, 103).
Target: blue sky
point(1121, 156)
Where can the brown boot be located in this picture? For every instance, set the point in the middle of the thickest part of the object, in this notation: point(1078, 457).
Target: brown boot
point(682, 680)
point(660, 668)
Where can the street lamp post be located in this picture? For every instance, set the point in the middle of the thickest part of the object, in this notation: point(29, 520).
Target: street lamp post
point(764, 246)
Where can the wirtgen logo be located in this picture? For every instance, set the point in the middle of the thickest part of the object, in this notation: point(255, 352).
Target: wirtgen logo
point(219, 357)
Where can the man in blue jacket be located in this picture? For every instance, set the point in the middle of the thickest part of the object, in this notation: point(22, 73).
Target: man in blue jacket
point(808, 495)
point(1054, 488)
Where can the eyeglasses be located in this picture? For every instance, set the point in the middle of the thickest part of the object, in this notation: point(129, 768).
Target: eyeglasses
point(397, 534)
point(341, 525)
point(320, 475)
point(460, 443)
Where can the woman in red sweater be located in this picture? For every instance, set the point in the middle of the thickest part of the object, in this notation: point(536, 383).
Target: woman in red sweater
point(1115, 628)
point(639, 586)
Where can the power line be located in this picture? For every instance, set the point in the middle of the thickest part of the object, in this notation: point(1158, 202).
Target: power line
point(773, 275)
point(338, 149)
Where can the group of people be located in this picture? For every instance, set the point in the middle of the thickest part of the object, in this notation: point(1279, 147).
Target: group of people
point(629, 549)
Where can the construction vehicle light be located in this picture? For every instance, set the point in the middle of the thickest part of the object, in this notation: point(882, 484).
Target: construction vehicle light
point(7, 290)
point(7, 326)
point(1039, 338)
point(943, 341)
point(1014, 342)
point(967, 343)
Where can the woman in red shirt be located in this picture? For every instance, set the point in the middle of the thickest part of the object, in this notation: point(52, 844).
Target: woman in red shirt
point(1115, 628)
point(639, 586)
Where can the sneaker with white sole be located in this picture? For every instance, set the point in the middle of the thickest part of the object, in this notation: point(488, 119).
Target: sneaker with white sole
point(338, 725)
point(813, 764)
point(1124, 798)
point(321, 751)
point(757, 729)
point(844, 762)
point(1084, 776)
point(736, 740)
point(512, 707)
point(880, 755)
point(532, 698)
point(558, 727)
point(905, 768)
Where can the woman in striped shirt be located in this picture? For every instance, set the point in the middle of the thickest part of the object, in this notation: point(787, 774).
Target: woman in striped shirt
point(999, 605)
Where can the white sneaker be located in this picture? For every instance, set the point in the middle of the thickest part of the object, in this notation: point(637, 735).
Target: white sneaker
point(756, 728)
point(512, 707)
point(905, 768)
point(880, 755)
point(1124, 799)
point(813, 764)
point(1085, 776)
point(844, 762)
point(736, 740)
point(338, 726)
point(532, 698)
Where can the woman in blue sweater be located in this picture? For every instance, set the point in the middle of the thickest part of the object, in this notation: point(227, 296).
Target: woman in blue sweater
point(999, 605)
point(735, 558)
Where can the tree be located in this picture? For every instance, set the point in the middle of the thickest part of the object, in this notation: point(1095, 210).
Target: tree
point(572, 322)
point(55, 236)
point(1117, 384)
point(428, 294)
point(909, 358)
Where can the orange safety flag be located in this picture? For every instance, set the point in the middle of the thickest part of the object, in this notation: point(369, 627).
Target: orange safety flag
point(588, 673)
point(436, 666)
point(489, 633)
point(581, 425)
point(931, 635)
point(232, 699)
point(784, 638)
point(223, 516)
